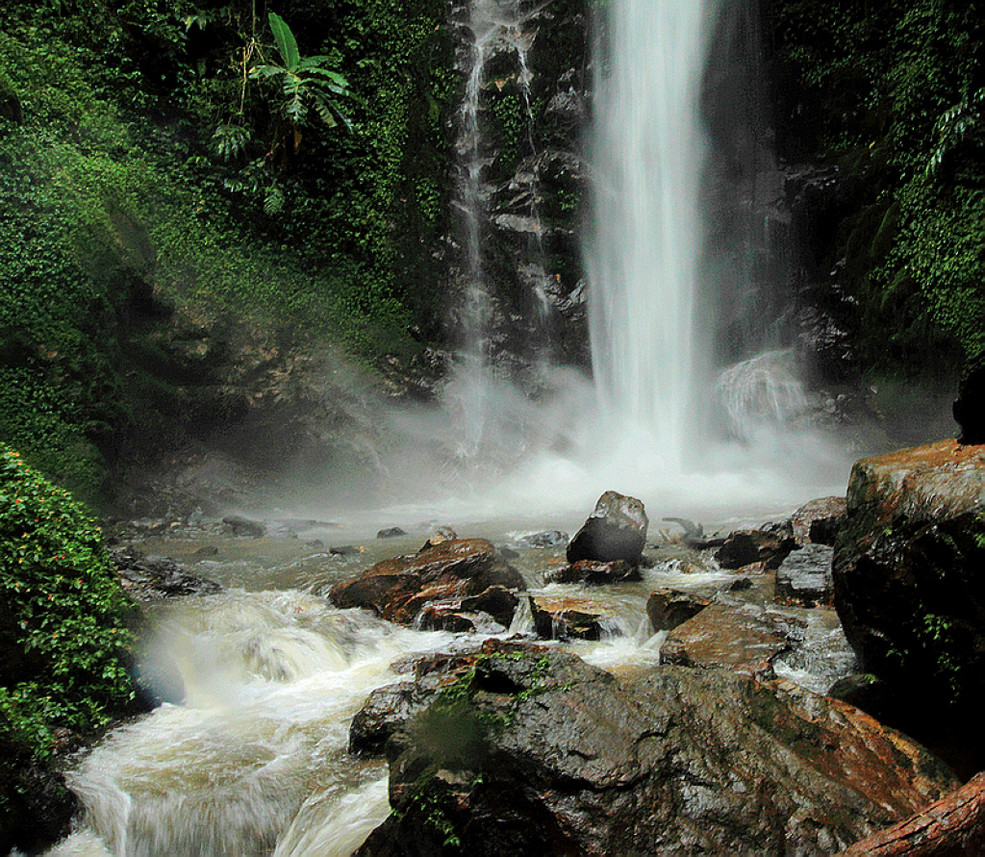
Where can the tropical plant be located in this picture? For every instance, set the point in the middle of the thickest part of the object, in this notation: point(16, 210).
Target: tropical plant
point(303, 83)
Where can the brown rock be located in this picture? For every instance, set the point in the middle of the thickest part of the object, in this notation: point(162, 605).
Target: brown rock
point(557, 618)
point(544, 754)
point(398, 588)
point(952, 827)
point(818, 520)
point(719, 636)
point(668, 608)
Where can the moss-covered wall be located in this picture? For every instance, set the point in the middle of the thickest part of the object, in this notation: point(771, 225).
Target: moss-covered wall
point(891, 98)
point(121, 223)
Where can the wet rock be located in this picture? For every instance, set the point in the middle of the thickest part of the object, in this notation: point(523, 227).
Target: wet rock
point(818, 520)
point(954, 826)
point(441, 534)
point(744, 547)
point(615, 530)
point(804, 577)
point(720, 636)
point(147, 578)
point(546, 539)
point(668, 608)
point(740, 585)
point(540, 753)
point(559, 618)
point(448, 617)
point(497, 601)
point(390, 533)
point(398, 588)
point(595, 573)
point(907, 567)
point(390, 707)
point(969, 407)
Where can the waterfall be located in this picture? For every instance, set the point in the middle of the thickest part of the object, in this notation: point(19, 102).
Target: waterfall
point(491, 31)
point(647, 235)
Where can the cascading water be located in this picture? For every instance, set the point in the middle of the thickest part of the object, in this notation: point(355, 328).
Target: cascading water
point(644, 252)
point(494, 29)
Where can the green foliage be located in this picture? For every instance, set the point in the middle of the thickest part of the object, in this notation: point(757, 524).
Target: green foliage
point(303, 80)
point(894, 99)
point(63, 619)
point(128, 141)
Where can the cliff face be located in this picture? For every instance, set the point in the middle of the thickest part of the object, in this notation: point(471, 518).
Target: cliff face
point(521, 180)
point(877, 116)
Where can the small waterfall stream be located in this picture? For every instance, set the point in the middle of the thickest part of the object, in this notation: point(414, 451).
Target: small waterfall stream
point(493, 29)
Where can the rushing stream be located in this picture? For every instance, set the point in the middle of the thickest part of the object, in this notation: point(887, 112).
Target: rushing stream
point(254, 760)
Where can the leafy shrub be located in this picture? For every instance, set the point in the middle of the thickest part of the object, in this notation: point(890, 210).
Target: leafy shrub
point(64, 637)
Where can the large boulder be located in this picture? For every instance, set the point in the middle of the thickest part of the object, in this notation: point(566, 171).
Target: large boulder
point(535, 752)
point(725, 636)
point(615, 530)
point(818, 520)
point(908, 581)
point(397, 589)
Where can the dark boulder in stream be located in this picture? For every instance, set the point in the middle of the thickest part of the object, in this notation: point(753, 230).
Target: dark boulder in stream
point(615, 530)
point(148, 578)
point(398, 589)
point(804, 577)
point(532, 751)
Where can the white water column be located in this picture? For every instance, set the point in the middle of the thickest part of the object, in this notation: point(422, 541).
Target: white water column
point(646, 241)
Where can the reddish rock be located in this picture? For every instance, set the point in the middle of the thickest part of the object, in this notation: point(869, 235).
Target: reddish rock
point(398, 588)
point(595, 572)
point(558, 618)
point(668, 608)
point(952, 827)
point(818, 520)
point(721, 636)
point(908, 582)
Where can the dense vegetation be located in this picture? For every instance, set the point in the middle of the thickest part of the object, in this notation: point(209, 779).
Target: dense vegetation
point(892, 95)
point(64, 637)
point(148, 162)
